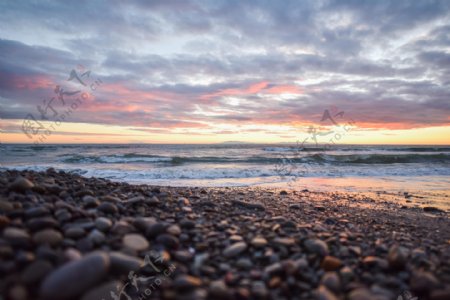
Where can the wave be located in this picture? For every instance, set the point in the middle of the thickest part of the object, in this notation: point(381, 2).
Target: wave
point(283, 158)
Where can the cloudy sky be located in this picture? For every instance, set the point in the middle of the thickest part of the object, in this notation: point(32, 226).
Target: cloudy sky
point(212, 71)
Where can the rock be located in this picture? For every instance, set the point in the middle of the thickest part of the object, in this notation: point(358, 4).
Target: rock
point(16, 236)
point(183, 201)
point(423, 282)
point(235, 249)
point(320, 208)
point(244, 263)
point(398, 257)
point(90, 201)
point(331, 281)
point(103, 291)
point(440, 294)
point(103, 224)
point(153, 201)
point(287, 242)
point(108, 208)
point(258, 242)
point(76, 277)
point(96, 237)
point(187, 224)
point(5, 206)
point(274, 268)
point(18, 292)
point(4, 221)
point(21, 185)
point(74, 232)
point(169, 241)
point(361, 294)
point(123, 264)
point(37, 224)
point(156, 229)
point(373, 261)
point(317, 246)
point(323, 293)
point(36, 271)
point(331, 263)
point(186, 282)
point(72, 254)
point(48, 236)
point(183, 256)
point(259, 290)
point(346, 274)
point(219, 290)
point(36, 212)
point(135, 241)
point(432, 209)
point(283, 193)
point(256, 206)
point(235, 238)
point(174, 230)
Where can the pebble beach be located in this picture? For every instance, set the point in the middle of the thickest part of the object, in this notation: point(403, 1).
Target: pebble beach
point(64, 236)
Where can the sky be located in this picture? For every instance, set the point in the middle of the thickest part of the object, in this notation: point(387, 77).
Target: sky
point(175, 71)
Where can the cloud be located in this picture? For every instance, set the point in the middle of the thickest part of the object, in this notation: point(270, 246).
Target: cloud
point(191, 65)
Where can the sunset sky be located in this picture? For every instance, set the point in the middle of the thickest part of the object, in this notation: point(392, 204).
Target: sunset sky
point(215, 71)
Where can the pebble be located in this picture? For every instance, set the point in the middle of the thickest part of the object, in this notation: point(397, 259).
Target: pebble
point(36, 271)
point(36, 212)
point(135, 241)
point(331, 263)
point(5, 206)
point(167, 240)
point(122, 263)
point(331, 281)
point(90, 201)
point(324, 294)
point(18, 292)
point(423, 282)
point(174, 230)
point(187, 224)
point(74, 232)
point(103, 224)
point(104, 291)
point(258, 242)
point(362, 294)
point(432, 209)
point(96, 237)
point(153, 201)
point(259, 289)
point(183, 256)
point(398, 257)
point(186, 282)
point(156, 229)
point(284, 241)
point(74, 278)
point(235, 249)
point(108, 208)
point(42, 223)
point(219, 290)
point(21, 184)
point(51, 237)
point(16, 235)
point(373, 261)
point(317, 246)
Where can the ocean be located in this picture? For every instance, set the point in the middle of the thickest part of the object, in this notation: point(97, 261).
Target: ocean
point(341, 167)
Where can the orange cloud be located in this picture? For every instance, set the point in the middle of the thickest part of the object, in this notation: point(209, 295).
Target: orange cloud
point(284, 89)
point(259, 87)
point(252, 89)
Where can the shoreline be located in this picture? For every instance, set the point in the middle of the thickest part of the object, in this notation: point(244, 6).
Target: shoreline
point(223, 243)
